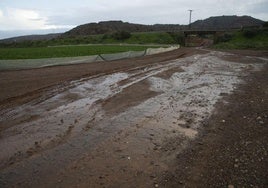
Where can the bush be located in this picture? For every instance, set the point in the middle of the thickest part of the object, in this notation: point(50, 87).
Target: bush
point(177, 37)
point(223, 38)
point(249, 33)
point(105, 36)
point(122, 35)
point(265, 24)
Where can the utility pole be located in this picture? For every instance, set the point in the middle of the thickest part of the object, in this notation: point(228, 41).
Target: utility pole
point(190, 19)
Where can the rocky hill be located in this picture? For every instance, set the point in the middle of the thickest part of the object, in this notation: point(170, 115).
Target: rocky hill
point(215, 23)
point(114, 26)
point(107, 27)
point(31, 38)
point(226, 22)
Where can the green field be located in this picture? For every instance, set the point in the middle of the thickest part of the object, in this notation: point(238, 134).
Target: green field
point(247, 39)
point(65, 46)
point(66, 51)
point(115, 38)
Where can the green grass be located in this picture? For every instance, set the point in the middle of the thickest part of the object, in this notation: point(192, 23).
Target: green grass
point(135, 38)
point(55, 47)
point(152, 38)
point(65, 51)
point(258, 40)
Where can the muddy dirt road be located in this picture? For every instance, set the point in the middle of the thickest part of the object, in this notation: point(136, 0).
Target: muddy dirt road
point(144, 122)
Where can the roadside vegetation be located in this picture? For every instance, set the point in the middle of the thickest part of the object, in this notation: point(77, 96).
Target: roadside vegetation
point(114, 38)
point(71, 46)
point(244, 39)
point(65, 51)
point(64, 46)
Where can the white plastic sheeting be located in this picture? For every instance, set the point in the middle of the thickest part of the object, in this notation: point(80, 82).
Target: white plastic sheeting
point(152, 51)
point(122, 55)
point(39, 63)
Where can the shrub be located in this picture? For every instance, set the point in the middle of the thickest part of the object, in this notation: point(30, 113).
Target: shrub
point(265, 24)
point(122, 35)
point(249, 33)
point(177, 37)
point(223, 38)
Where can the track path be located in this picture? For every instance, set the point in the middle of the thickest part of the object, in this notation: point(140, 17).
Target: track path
point(123, 127)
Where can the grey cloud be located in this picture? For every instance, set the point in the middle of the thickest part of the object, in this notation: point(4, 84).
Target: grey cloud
point(258, 8)
point(149, 12)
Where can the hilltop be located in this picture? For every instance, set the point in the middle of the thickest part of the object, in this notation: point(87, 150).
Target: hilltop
point(31, 38)
point(107, 27)
point(218, 22)
point(226, 22)
point(110, 27)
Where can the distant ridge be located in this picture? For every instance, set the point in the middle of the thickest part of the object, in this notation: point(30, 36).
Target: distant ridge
point(114, 26)
point(226, 22)
point(31, 38)
point(215, 23)
point(108, 27)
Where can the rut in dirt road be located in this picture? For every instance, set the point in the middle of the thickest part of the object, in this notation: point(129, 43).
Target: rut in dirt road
point(129, 124)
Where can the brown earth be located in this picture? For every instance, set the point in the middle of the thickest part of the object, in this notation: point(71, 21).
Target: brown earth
point(233, 148)
point(120, 141)
point(24, 84)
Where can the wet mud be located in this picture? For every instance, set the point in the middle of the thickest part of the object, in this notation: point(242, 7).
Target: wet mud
point(120, 128)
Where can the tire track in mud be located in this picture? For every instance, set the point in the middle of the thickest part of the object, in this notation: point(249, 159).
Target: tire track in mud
point(96, 70)
point(148, 133)
point(137, 75)
point(10, 113)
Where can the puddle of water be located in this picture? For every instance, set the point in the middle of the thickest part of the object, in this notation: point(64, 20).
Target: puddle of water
point(194, 91)
point(186, 99)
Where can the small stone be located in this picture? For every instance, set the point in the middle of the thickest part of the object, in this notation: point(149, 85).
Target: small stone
point(236, 165)
point(223, 121)
point(156, 185)
point(231, 186)
point(261, 122)
point(128, 158)
point(259, 118)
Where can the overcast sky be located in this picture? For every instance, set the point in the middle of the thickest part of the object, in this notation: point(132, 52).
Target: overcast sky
point(19, 17)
